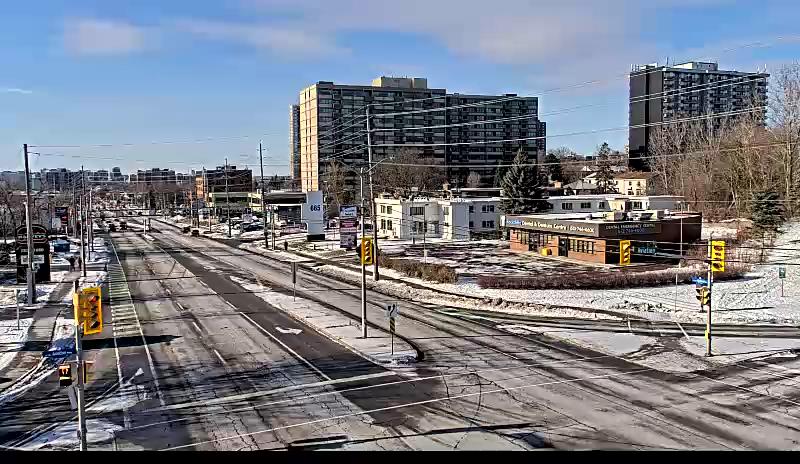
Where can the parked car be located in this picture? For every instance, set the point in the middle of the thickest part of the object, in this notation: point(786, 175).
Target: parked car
point(195, 232)
point(112, 227)
point(185, 229)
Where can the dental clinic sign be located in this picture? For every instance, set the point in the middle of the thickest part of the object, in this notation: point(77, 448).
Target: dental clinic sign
point(584, 228)
point(550, 225)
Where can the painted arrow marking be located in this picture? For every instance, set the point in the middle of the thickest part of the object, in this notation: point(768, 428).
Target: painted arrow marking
point(287, 331)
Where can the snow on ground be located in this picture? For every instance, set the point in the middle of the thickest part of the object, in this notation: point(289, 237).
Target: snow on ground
point(12, 339)
point(64, 330)
point(754, 299)
point(64, 437)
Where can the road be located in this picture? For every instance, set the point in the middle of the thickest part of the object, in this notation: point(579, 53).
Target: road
point(211, 370)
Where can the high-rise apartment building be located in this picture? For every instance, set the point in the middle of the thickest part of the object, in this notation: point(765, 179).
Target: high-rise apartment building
point(689, 91)
point(463, 132)
point(294, 142)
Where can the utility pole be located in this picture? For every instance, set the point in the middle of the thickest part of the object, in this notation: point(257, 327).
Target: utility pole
point(375, 273)
point(90, 230)
point(83, 224)
point(79, 389)
point(205, 195)
point(363, 267)
point(30, 274)
point(227, 199)
point(263, 206)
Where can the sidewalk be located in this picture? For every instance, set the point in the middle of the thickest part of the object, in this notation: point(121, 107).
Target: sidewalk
point(40, 333)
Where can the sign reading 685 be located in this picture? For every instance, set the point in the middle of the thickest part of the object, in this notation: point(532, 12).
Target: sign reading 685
point(315, 207)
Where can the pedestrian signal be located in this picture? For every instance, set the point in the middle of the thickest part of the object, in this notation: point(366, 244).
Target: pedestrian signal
point(65, 375)
point(703, 295)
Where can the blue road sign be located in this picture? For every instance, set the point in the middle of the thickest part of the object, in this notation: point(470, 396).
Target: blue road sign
point(60, 348)
point(699, 281)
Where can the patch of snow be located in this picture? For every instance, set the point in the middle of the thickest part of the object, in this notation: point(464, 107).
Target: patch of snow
point(65, 437)
point(12, 339)
point(755, 299)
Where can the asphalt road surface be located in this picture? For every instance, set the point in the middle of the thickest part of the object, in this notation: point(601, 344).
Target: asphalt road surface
point(211, 370)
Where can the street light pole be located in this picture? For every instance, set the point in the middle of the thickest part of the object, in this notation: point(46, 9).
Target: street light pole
point(227, 199)
point(263, 205)
point(30, 274)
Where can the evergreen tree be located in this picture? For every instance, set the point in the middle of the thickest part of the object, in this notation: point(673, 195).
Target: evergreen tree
point(520, 183)
point(604, 175)
point(553, 167)
point(766, 211)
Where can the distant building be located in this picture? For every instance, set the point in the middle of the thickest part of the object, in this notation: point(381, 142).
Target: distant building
point(214, 180)
point(60, 179)
point(294, 141)
point(600, 203)
point(668, 93)
point(626, 183)
point(13, 180)
point(447, 218)
point(406, 114)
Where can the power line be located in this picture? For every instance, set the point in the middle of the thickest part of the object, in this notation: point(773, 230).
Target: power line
point(570, 134)
point(163, 142)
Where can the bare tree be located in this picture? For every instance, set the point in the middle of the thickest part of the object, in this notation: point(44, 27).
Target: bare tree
point(410, 169)
point(336, 189)
point(784, 105)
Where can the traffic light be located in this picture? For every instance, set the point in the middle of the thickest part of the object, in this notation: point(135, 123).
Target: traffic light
point(624, 252)
point(366, 251)
point(65, 375)
point(717, 256)
point(703, 295)
point(89, 310)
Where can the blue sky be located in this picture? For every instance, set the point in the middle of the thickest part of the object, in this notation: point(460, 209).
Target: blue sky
point(222, 73)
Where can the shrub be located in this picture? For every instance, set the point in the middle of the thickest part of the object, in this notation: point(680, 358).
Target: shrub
point(433, 272)
point(609, 279)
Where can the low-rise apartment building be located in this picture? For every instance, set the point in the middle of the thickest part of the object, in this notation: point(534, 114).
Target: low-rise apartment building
point(447, 218)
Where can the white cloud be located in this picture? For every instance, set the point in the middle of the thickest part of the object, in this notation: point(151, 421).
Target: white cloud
point(103, 37)
point(286, 40)
point(16, 90)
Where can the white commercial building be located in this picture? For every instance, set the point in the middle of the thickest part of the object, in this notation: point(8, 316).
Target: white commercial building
point(447, 218)
point(613, 202)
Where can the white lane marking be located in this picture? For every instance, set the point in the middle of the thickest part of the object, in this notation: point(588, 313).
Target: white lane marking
point(219, 356)
point(144, 340)
point(405, 405)
point(293, 352)
point(196, 326)
point(231, 304)
point(288, 331)
point(684, 332)
point(248, 396)
point(629, 327)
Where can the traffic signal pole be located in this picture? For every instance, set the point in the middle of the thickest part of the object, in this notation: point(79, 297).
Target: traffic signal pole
point(363, 266)
point(79, 389)
point(710, 296)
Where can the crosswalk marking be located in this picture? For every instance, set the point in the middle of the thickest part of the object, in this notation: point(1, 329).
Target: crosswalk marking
point(123, 312)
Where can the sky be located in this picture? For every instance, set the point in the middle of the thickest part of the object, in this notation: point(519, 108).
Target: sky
point(184, 84)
